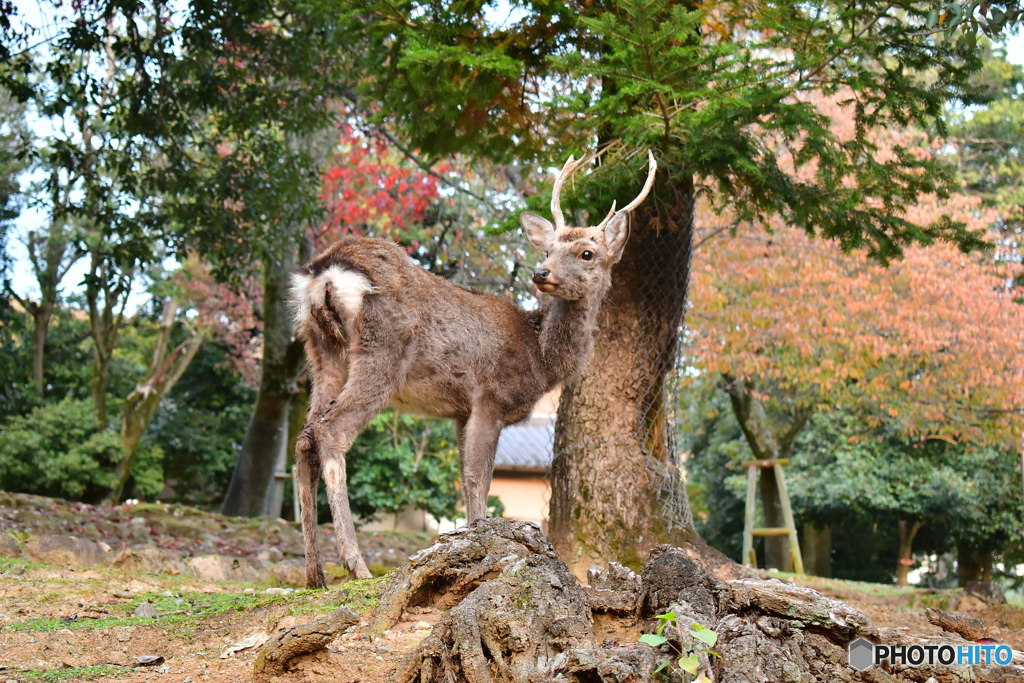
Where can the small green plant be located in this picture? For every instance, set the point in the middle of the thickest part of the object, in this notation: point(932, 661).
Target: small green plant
point(82, 673)
point(689, 663)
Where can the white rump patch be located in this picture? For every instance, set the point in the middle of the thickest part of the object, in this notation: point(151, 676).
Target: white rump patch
point(300, 301)
point(347, 291)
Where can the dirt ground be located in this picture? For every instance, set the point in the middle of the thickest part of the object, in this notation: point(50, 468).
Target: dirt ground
point(63, 624)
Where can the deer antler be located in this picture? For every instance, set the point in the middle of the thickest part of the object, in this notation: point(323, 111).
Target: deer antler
point(652, 167)
point(571, 165)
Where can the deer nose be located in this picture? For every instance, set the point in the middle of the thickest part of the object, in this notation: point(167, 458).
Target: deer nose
point(540, 276)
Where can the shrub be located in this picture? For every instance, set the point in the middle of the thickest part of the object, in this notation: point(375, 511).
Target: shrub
point(56, 451)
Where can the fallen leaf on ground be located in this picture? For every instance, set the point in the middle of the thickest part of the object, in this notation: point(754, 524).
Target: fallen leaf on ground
point(255, 640)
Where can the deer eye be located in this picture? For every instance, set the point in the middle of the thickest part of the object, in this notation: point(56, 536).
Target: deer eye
point(587, 255)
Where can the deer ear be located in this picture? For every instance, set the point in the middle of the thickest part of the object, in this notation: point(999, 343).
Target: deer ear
point(540, 231)
point(616, 230)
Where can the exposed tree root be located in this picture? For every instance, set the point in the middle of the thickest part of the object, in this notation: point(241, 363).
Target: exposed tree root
point(516, 614)
point(299, 640)
point(442, 575)
point(513, 628)
point(964, 626)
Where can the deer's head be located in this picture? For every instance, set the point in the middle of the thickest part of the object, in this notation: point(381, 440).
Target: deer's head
point(578, 261)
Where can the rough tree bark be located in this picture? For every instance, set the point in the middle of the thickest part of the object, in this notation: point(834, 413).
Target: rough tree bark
point(283, 647)
point(267, 432)
point(616, 491)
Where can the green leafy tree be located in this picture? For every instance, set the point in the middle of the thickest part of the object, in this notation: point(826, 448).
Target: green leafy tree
point(200, 426)
point(56, 451)
point(402, 461)
point(987, 139)
point(195, 130)
point(720, 93)
point(67, 372)
point(877, 497)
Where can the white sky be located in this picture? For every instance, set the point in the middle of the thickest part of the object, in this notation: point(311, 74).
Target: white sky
point(22, 280)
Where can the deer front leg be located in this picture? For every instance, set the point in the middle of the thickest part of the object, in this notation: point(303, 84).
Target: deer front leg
point(477, 446)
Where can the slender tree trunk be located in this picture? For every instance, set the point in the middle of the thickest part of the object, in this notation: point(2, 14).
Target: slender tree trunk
point(970, 565)
point(98, 389)
point(816, 549)
point(776, 548)
point(616, 489)
point(267, 432)
point(106, 292)
point(41, 320)
point(907, 531)
point(141, 405)
point(51, 255)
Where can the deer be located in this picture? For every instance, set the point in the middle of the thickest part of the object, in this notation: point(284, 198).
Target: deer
point(380, 330)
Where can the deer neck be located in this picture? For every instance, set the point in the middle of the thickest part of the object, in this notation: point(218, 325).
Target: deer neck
point(566, 337)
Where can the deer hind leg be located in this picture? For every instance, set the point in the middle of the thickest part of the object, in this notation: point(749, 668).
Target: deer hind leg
point(372, 381)
point(478, 442)
point(306, 477)
point(328, 380)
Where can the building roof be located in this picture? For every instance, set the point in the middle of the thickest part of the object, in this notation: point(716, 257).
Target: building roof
point(527, 446)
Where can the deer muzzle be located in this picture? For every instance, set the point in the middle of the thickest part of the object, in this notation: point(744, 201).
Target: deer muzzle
point(541, 279)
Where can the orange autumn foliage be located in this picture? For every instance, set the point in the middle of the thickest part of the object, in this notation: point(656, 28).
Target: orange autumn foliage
point(933, 343)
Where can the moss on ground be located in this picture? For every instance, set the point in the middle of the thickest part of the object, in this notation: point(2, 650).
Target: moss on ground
point(79, 673)
point(183, 611)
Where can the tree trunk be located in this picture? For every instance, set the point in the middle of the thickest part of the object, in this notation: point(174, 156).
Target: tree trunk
point(816, 549)
point(51, 259)
point(141, 405)
point(41, 320)
point(98, 390)
point(107, 288)
point(616, 489)
point(969, 565)
point(776, 548)
point(267, 432)
point(907, 532)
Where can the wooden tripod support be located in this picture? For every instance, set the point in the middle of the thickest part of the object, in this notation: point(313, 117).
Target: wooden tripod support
point(749, 556)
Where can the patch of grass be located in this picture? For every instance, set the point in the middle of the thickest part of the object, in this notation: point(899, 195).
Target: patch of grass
point(80, 673)
point(915, 602)
point(8, 563)
point(194, 607)
point(358, 595)
point(820, 582)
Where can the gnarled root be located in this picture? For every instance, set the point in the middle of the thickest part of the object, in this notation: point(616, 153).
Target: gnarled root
point(515, 627)
point(515, 614)
point(442, 575)
point(299, 640)
point(964, 626)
